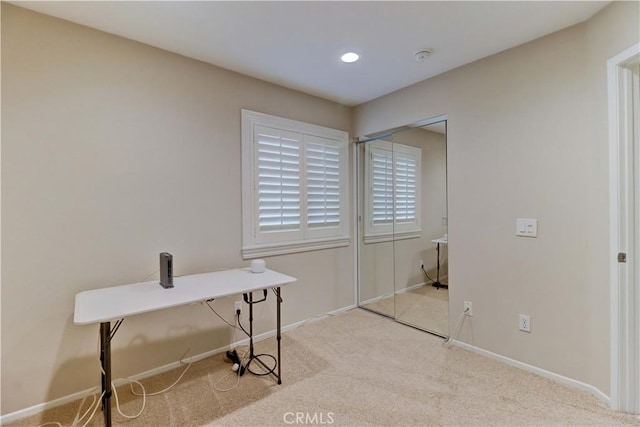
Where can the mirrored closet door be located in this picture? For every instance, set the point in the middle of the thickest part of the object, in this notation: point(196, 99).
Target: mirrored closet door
point(402, 233)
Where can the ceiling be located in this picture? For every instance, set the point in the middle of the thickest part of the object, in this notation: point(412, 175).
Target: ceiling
point(298, 44)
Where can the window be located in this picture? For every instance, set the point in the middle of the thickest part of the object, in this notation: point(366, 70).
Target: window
point(392, 200)
point(295, 186)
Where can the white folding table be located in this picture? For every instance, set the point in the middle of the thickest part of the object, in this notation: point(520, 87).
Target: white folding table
point(117, 302)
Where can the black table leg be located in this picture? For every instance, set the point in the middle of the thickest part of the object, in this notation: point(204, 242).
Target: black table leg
point(105, 360)
point(248, 298)
point(278, 336)
point(251, 353)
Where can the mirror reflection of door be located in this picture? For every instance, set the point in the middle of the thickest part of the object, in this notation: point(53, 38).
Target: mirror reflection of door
point(403, 227)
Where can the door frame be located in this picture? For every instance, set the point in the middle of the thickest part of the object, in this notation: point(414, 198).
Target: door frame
point(624, 230)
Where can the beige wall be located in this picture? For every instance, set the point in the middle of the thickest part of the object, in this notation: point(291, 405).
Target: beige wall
point(113, 151)
point(527, 137)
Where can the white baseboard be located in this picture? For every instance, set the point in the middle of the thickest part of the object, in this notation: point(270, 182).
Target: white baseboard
point(410, 288)
point(539, 371)
point(376, 299)
point(419, 285)
point(22, 413)
point(401, 291)
point(304, 322)
point(32, 410)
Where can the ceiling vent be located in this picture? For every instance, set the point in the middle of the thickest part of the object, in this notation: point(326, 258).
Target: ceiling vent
point(422, 55)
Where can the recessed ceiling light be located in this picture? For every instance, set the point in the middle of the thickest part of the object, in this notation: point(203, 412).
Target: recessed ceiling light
point(350, 57)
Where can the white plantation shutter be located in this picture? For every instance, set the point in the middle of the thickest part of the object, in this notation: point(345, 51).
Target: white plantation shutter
point(405, 188)
point(393, 173)
point(278, 180)
point(407, 173)
point(323, 182)
point(295, 186)
point(381, 186)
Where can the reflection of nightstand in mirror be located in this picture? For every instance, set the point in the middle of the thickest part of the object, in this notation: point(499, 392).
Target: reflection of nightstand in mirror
point(441, 240)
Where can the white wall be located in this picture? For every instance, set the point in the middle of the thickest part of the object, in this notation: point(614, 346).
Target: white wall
point(527, 138)
point(113, 151)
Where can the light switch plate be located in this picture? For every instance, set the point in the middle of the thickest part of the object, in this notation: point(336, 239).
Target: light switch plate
point(527, 227)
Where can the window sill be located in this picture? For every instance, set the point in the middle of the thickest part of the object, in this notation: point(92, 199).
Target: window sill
point(258, 251)
point(391, 237)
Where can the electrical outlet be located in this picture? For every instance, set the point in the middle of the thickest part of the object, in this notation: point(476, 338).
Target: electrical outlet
point(421, 264)
point(525, 323)
point(468, 308)
point(237, 307)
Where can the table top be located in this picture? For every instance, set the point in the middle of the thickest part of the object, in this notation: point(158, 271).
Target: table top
point(440, 240)
point(117, 302)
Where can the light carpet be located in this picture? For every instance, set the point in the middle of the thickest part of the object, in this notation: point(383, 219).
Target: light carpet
point(360, 369)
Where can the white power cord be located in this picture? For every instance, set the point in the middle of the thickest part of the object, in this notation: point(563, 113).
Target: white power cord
point(236, 373)
point(94, 404)
point(115, 392)
point(144, 397)
point(242, 359)
point(456, 331)
point(169, 387)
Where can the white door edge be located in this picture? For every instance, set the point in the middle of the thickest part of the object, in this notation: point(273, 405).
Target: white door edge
point(625, 295)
